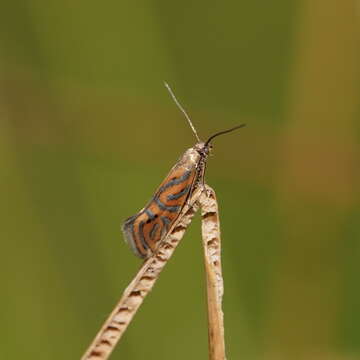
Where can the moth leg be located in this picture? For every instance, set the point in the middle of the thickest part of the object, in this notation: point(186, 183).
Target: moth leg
point(188, 203)
point(203, 175)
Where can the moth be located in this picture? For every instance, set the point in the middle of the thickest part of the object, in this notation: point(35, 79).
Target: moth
point(145, 230)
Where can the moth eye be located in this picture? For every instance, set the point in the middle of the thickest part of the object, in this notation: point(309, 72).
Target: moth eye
point(156, 215)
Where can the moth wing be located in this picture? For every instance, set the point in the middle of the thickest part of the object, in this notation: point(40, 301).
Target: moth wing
point(145, 230)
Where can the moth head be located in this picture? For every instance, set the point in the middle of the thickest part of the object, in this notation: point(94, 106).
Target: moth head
point(203, 149)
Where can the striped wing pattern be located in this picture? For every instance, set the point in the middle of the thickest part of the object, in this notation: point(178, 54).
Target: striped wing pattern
point(144, 230)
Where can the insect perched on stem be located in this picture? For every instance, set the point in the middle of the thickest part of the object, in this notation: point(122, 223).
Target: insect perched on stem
point(145, 230)
point(154, 234)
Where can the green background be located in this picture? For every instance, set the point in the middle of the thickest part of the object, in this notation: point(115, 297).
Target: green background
point(88, 131)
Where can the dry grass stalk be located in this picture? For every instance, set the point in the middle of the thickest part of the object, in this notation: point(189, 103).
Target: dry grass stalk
point(210, 228)
point(118, 321)
point(116, 324)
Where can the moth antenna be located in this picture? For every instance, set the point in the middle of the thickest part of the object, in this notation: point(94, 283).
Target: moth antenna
point(223, 132)
point(183, 111)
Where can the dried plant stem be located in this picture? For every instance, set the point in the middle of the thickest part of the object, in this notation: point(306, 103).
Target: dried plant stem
point(212, 255)
point(116, 324)
point(118, 321)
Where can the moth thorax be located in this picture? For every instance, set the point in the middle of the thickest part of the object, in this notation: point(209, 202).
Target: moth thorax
point(190, 157)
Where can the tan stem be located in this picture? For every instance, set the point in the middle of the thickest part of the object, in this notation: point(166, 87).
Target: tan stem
point(116, 324)
point(214, 280)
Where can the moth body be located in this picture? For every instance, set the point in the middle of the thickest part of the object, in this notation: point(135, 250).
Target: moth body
point(145, 230)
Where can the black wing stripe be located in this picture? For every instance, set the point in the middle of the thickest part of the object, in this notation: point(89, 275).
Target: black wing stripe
point(141, 235)
point(179, 194)
point(175, 181)
point(166, 221)
point(153, 230)
point(150, 214)
point(164, 207)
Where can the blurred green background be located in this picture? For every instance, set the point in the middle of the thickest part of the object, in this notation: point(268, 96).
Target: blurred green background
point(88, 131)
